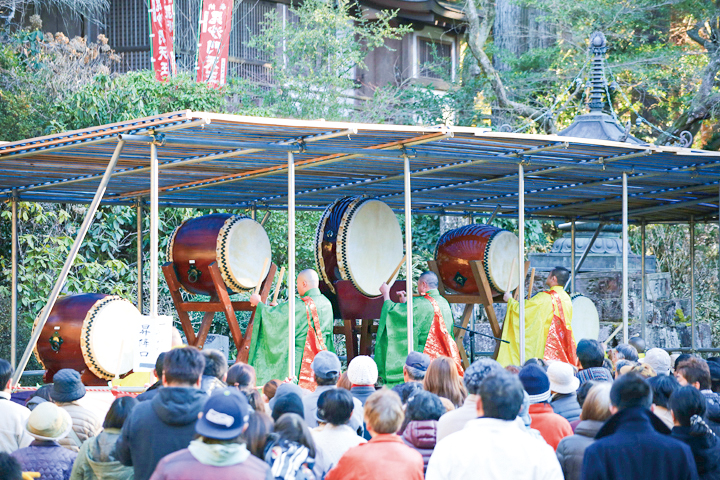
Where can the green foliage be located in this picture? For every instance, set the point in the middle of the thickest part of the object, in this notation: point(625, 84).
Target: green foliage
point(111, 99)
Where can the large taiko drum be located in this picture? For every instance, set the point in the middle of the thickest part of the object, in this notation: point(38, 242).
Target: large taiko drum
point(237, 243)
point(358, 239)
point(92, 333)
point(585, 318)
point(494, 247)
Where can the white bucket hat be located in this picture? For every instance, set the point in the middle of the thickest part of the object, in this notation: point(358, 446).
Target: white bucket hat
point(562, 378)
point(48, 422)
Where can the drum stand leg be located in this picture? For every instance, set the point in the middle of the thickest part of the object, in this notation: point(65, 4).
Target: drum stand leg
point(174, 286)
point(220, 302)
point(351, 346)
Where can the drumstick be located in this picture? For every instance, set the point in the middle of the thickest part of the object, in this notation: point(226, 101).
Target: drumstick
point(532, 280)
point(279, 284)
point(262, 276)
point(612, 335)
point(397, 269)
point(512, 267)
point(117, 368)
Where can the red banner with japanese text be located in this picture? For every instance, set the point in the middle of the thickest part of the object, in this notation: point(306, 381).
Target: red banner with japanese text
point(214, 42)
point(162, 35)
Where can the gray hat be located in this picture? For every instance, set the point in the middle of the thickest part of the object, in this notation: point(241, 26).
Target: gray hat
point(326, 365)
point(284, 389)
point(67, 386)
point(659, 359)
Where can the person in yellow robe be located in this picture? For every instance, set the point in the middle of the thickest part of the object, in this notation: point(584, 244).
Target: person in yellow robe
point(548, 324)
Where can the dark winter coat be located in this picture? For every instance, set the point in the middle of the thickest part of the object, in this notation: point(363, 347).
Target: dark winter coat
point(712, 412)
point(571, 450)
point(52, 461)
point(566, 405)
point(705, 449)
point(150, 393)
point(159, 427)
point(635, 444)
point(422, 436)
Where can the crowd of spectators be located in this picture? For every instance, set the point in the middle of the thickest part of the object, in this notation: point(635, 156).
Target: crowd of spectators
point(621, 413)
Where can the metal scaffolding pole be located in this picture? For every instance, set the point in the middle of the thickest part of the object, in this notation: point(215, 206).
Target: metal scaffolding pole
point(693, 338)
point(521, 257)
point(139, 214)
point(14, 282)
point(643, 320)
point(291, 264)
point(408, 255)
point(625, 248)
point(572, 256)
point(89, 217)
point(154, 217)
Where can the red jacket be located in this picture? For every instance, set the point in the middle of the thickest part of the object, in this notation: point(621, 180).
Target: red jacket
point(551, 426)
point(384, 457)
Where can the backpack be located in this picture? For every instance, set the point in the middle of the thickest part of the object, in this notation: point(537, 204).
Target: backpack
point(289, 461)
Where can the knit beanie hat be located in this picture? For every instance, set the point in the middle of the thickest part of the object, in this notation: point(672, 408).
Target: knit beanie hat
point(535, 382)
point(362, 371)
point(290, 403)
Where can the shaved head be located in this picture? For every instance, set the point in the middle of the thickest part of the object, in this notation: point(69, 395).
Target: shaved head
point(427, 281)
point(307, 280)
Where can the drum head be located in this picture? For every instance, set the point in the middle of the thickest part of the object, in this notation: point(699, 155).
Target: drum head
point(585, 319)
point(499, 255)
point(370, 246)
point(108, 336)
point(243, 246)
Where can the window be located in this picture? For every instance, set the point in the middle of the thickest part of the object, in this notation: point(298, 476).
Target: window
point(128, 33)
point(435, 59)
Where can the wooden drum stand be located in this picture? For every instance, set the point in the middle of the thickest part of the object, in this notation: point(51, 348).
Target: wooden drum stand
point(219, 302)
point(483, 297)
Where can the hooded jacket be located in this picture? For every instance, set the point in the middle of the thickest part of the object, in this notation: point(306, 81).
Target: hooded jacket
point(636, 444)
point(571, 450)
point(422, 436)
point(705, 449)
point(96, 459)
point(159, 427)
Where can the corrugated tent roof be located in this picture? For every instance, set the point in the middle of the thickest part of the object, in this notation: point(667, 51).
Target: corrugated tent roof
point(215, 160)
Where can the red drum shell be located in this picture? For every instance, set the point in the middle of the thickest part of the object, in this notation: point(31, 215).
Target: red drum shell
point(326, 242)
point(68, 314)
point(454, 251)
point(196, 239)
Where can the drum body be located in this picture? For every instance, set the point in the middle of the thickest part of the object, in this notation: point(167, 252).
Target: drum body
point(494, 247)
point(239, 245)
point(585, 319)
point(92, 333)
point(360, 240)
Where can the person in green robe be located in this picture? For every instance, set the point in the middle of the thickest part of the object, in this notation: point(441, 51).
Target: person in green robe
point(391, 345)
point(269, 345)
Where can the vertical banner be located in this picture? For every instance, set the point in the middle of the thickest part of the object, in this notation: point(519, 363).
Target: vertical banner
point(162, 36)
point(214, 42)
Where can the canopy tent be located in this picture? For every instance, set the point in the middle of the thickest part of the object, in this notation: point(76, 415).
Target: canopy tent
point(198, 159)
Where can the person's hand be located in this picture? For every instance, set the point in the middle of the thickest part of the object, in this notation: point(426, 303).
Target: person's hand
point(385, 289)
point(273, 304)
point(507, 296)
point(402, 295)
point(255, 299)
